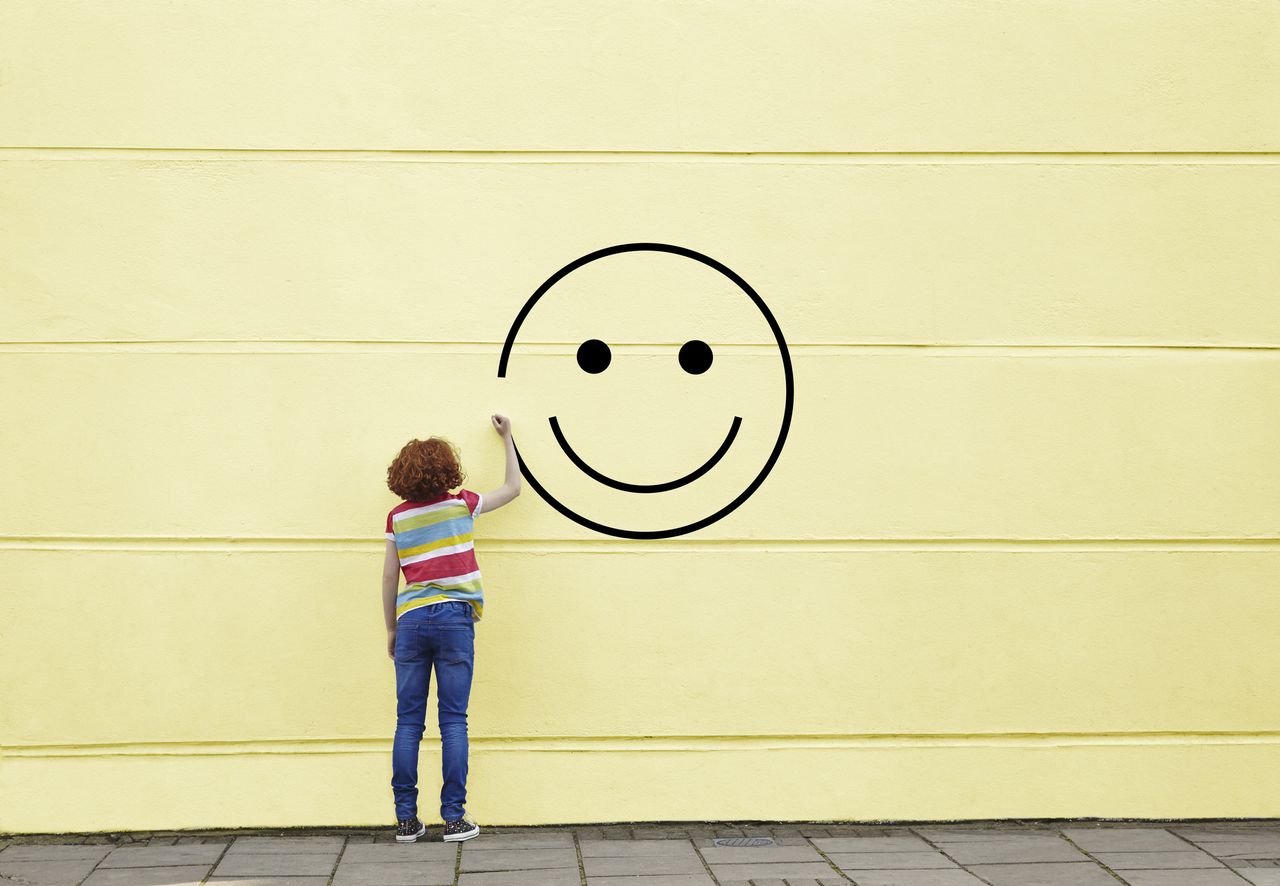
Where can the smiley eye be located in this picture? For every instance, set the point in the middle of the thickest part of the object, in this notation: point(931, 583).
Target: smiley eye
point(593, 356)
point(695, 357)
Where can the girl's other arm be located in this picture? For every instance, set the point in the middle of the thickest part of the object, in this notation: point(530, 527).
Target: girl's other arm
point(491, 501)
point(390, 584)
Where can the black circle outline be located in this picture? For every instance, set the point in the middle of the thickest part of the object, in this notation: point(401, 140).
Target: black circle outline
point(782, 350)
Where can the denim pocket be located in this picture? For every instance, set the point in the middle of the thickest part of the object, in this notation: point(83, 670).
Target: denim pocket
point(455, 643)
point(404, 642)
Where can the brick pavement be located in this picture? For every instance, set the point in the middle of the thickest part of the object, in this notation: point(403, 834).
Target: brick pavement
point(1001, 853)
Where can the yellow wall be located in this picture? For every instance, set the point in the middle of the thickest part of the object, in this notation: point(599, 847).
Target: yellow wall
point(1019, 555)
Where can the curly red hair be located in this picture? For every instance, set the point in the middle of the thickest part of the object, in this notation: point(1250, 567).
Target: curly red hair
point(425, 469)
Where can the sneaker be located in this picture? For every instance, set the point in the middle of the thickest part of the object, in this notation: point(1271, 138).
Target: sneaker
point(408, 830)
point(460, 829)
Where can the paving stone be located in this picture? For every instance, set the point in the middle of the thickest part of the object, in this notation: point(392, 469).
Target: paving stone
point(661, 880)
point(873, 861)
point(1249, 859)
point(556, 877)
point(47, 873)
point(952, 877)
point(662, 834)
point(791, 840)
point(51, 852)
point(1181, 878)
point(140, 856)
point(902, 843)
point(1255, 843)
point(286, 845)
point(1125, 839)
point(253, 864)
point(787, 869)
point(548, 840)
point(387, 852)
point(615, 848)
point(1272, 824)
point(394, 873)
point(886, 831)
point(1013, 848)
point(754, 854)
point(642, 864)
point(1255, 847)
point(268, 881)
point(182, 875)
point(1261, 876)
point(1211, 833)
point(518, 859)
point(1254, 837)
point(1051, 874)
point(814, 832)
point(1134, 861)
point(979, 835)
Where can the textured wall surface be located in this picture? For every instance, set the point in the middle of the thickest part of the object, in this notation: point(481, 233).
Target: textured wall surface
point(1018, 558)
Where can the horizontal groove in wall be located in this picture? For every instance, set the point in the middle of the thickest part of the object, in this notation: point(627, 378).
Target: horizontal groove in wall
point(375, 346)
point(427, 155)
point(602, 545)
point(658, 743)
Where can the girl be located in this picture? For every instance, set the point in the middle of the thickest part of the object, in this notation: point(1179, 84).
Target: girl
point(431, 622)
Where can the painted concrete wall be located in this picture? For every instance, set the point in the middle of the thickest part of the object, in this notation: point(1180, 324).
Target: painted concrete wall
point(1018, 556)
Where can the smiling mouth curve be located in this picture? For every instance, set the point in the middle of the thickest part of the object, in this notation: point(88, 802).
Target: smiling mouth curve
point(644, 487)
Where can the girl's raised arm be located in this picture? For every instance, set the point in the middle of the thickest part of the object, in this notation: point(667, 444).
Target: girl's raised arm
point(491, 501)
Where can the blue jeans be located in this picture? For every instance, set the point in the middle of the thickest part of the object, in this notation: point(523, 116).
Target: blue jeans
point(442, 634)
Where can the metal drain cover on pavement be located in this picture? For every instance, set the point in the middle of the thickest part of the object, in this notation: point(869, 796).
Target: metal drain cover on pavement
point(743, 841)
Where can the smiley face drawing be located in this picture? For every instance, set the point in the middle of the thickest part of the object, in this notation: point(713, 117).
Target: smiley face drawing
point(695, 358)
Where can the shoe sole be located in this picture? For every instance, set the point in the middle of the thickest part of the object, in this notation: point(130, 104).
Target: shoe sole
point(465, 835)
point(412, 839)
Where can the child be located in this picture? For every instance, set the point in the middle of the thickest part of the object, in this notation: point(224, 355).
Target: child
point(431, 621)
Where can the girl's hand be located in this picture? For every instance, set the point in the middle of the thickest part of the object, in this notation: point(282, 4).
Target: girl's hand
point(391, 644)
point(502, 425)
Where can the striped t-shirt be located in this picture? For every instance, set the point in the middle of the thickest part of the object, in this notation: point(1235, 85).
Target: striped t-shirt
point(433, 539)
